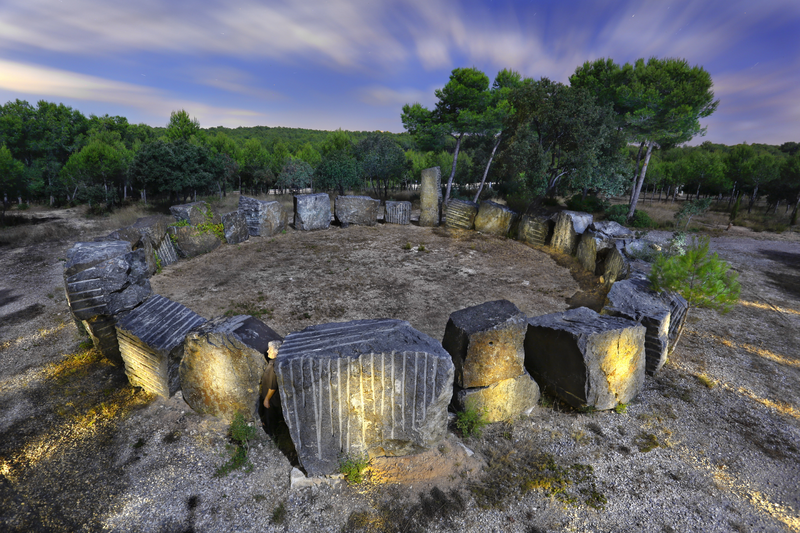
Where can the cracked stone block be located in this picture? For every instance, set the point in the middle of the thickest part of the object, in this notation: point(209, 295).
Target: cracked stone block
point(586, 252)
point(102, 330)
point(610, 229)
point(586, 359)
point(613, 266)
point(375, 387)
point(191, 241)
point(430, 197)
point(569, 225)
point(357, 210)
point(534, 230)
point(234, 226)
point(222, 366)
point(312, 211)
point(486, 343)
point(151, 340)
point(461, 214)
point(195, 213)
point(494, 219)
point(397, 212)
point(508, 399)
point(264, 218)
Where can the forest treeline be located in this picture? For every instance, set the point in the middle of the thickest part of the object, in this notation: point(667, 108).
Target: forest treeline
point(613, 129)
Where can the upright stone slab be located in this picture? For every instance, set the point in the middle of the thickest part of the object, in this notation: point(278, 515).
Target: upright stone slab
point(264, 218)
point(505, 400)
point(486, 343)
point(312, 211)
point(569, 225)
point(194, 213)
point(378, 387)
point(460, 214)
point(358, 210)
point(613, 266)
point(221, 367)
point(154, 230)
point(586, 359)
point(397, 213)
point(430, 197)
point(234, 226)
point(586, 253)
point(534, 230)
point(633, 299)
point(494, 219)
point(678, 307)
point(191, 241)
point(166, 252)
point(151, 339)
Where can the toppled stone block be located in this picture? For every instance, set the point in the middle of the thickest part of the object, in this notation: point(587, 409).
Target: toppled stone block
point(461, 214)
point(610, 229)
point(535, 230)
point(102, 330)
point(221, 370)
point(505, 400)
point(569, 225)
point(191, 241)
point(397, 213)
point(430, 197)
point(264, 218)
point(151, 339)
point(85, 255)
point(376, 387)
point(358, 210)
point(234, 226)
point(613, 266)
point(494, 219)
point(312, 211)
point(195, 213)
point(586, 252)
point(586, 359)
point(486, 343)
point(633, 299)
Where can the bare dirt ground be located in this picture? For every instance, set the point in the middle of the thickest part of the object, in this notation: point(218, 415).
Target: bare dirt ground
point(710, 444)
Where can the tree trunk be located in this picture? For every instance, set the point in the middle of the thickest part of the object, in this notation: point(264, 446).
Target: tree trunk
point(752, 200)
point(453, 171)
point(636, 173)
point(730, 200)
point(638, 187)
point(486, 170)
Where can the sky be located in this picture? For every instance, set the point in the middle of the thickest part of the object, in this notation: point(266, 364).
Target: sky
point(353, 64)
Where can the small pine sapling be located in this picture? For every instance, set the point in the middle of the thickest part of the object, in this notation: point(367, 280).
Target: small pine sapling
point(691, 209)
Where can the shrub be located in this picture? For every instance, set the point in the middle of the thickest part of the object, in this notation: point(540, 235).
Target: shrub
point(470, 422)
point(241, 433)
point(353, 466)
point(590, 204)
point(618, 213)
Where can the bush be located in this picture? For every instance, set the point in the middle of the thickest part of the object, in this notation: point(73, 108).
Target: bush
point(241, 433)
point(618, 213)
point(591, 204)
point(470, 422)
point(353, 466)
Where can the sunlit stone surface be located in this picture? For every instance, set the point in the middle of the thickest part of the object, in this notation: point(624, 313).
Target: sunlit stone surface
point(191, 241)
point(613, 266)
point(505, 400)
point(430, 197)
point(397, 212)
point(461, 214)
point(312, 211)
point(569, 225)
point(494, 219)
point(534, 230)
point(586, 253)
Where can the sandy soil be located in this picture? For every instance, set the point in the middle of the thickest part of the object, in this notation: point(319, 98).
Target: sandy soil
point(710, 444)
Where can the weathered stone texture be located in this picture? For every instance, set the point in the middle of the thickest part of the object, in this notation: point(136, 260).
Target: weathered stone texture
point(613, 266)
point(378, 387)
point(166, 252)
point(151, 339)
point(505, 400)
point(534, 230)
point(397, 212)
point(312, 211)
point(585, 358)
point(191, 241)
point(234, 226)
point(569, 225)
point(430, 197)
point(358, 210)
point(586, 253)
point(102, 330)
point(610, 229)
point(264, 218)
point(486, 343)
point(221, 371)
point(85, 255)
point(461, 214)
point(194, 213)
point(494, 219)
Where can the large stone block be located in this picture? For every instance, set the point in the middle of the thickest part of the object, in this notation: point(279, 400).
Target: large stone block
point(191, 241)
point(151, 339)
point(460, 214)
point(358, 210)
point(312, 211)
point(586, 252)
point(505, 400)
point(165, 252)
point(486, 343)
point(264, 218)
point(234, 226)
point(102, 330)
point(569, 225)
point(378, 387)
point(397, 213)
point(610, 229)
point(534, 230)
point(430, 197)
point(85, 255)
point(612, 266)
point(494, 219)
point(586, 359)
point(221, 369)
point(633, 299)
point(194, 213)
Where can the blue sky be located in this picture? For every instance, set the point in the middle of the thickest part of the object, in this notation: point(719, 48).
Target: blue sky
point(353, 64)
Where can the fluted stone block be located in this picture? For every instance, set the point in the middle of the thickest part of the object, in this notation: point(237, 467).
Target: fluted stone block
point(191, 241)
point(494, 219)
point(678, 307)
point(264, 218)
point(633, 299)
point(397, 213)
point(586, 252)
point(569, 226)
point(234, 226)
point(534, 230)
point(586, 359)
point(166, 252)
point(461, 214)
point(194, 213)
point(312, 211)
point(505, 400)
point(613, 266)
point(151, 340)
point(486, 343)
point(221, 367)
point(358, 210)
point(430, 197)
point(376, 387)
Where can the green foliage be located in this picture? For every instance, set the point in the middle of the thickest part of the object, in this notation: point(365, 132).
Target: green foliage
point(470, 422)
point(241, 433)
point(699, 276)
point(621, 408)
point(735, 210)
point(382, 160)
point(353, 466)
point(646, 442)
point(182, 127)
point(296, 174)
point(692, 208)
point(338, 170)
point(591, 204)
point(279, 514)
point(618, 213)
point(159, 267)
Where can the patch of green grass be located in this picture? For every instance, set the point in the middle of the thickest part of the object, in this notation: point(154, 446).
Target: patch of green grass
point(240, 433)
point(407, 246)
point(353, 466)
point(646, 442)
point(139, 443)
point(621, 408)
point(706, 381)
point(421, 248)
point(470, 422)
point(159, 267)
point(279, 514)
